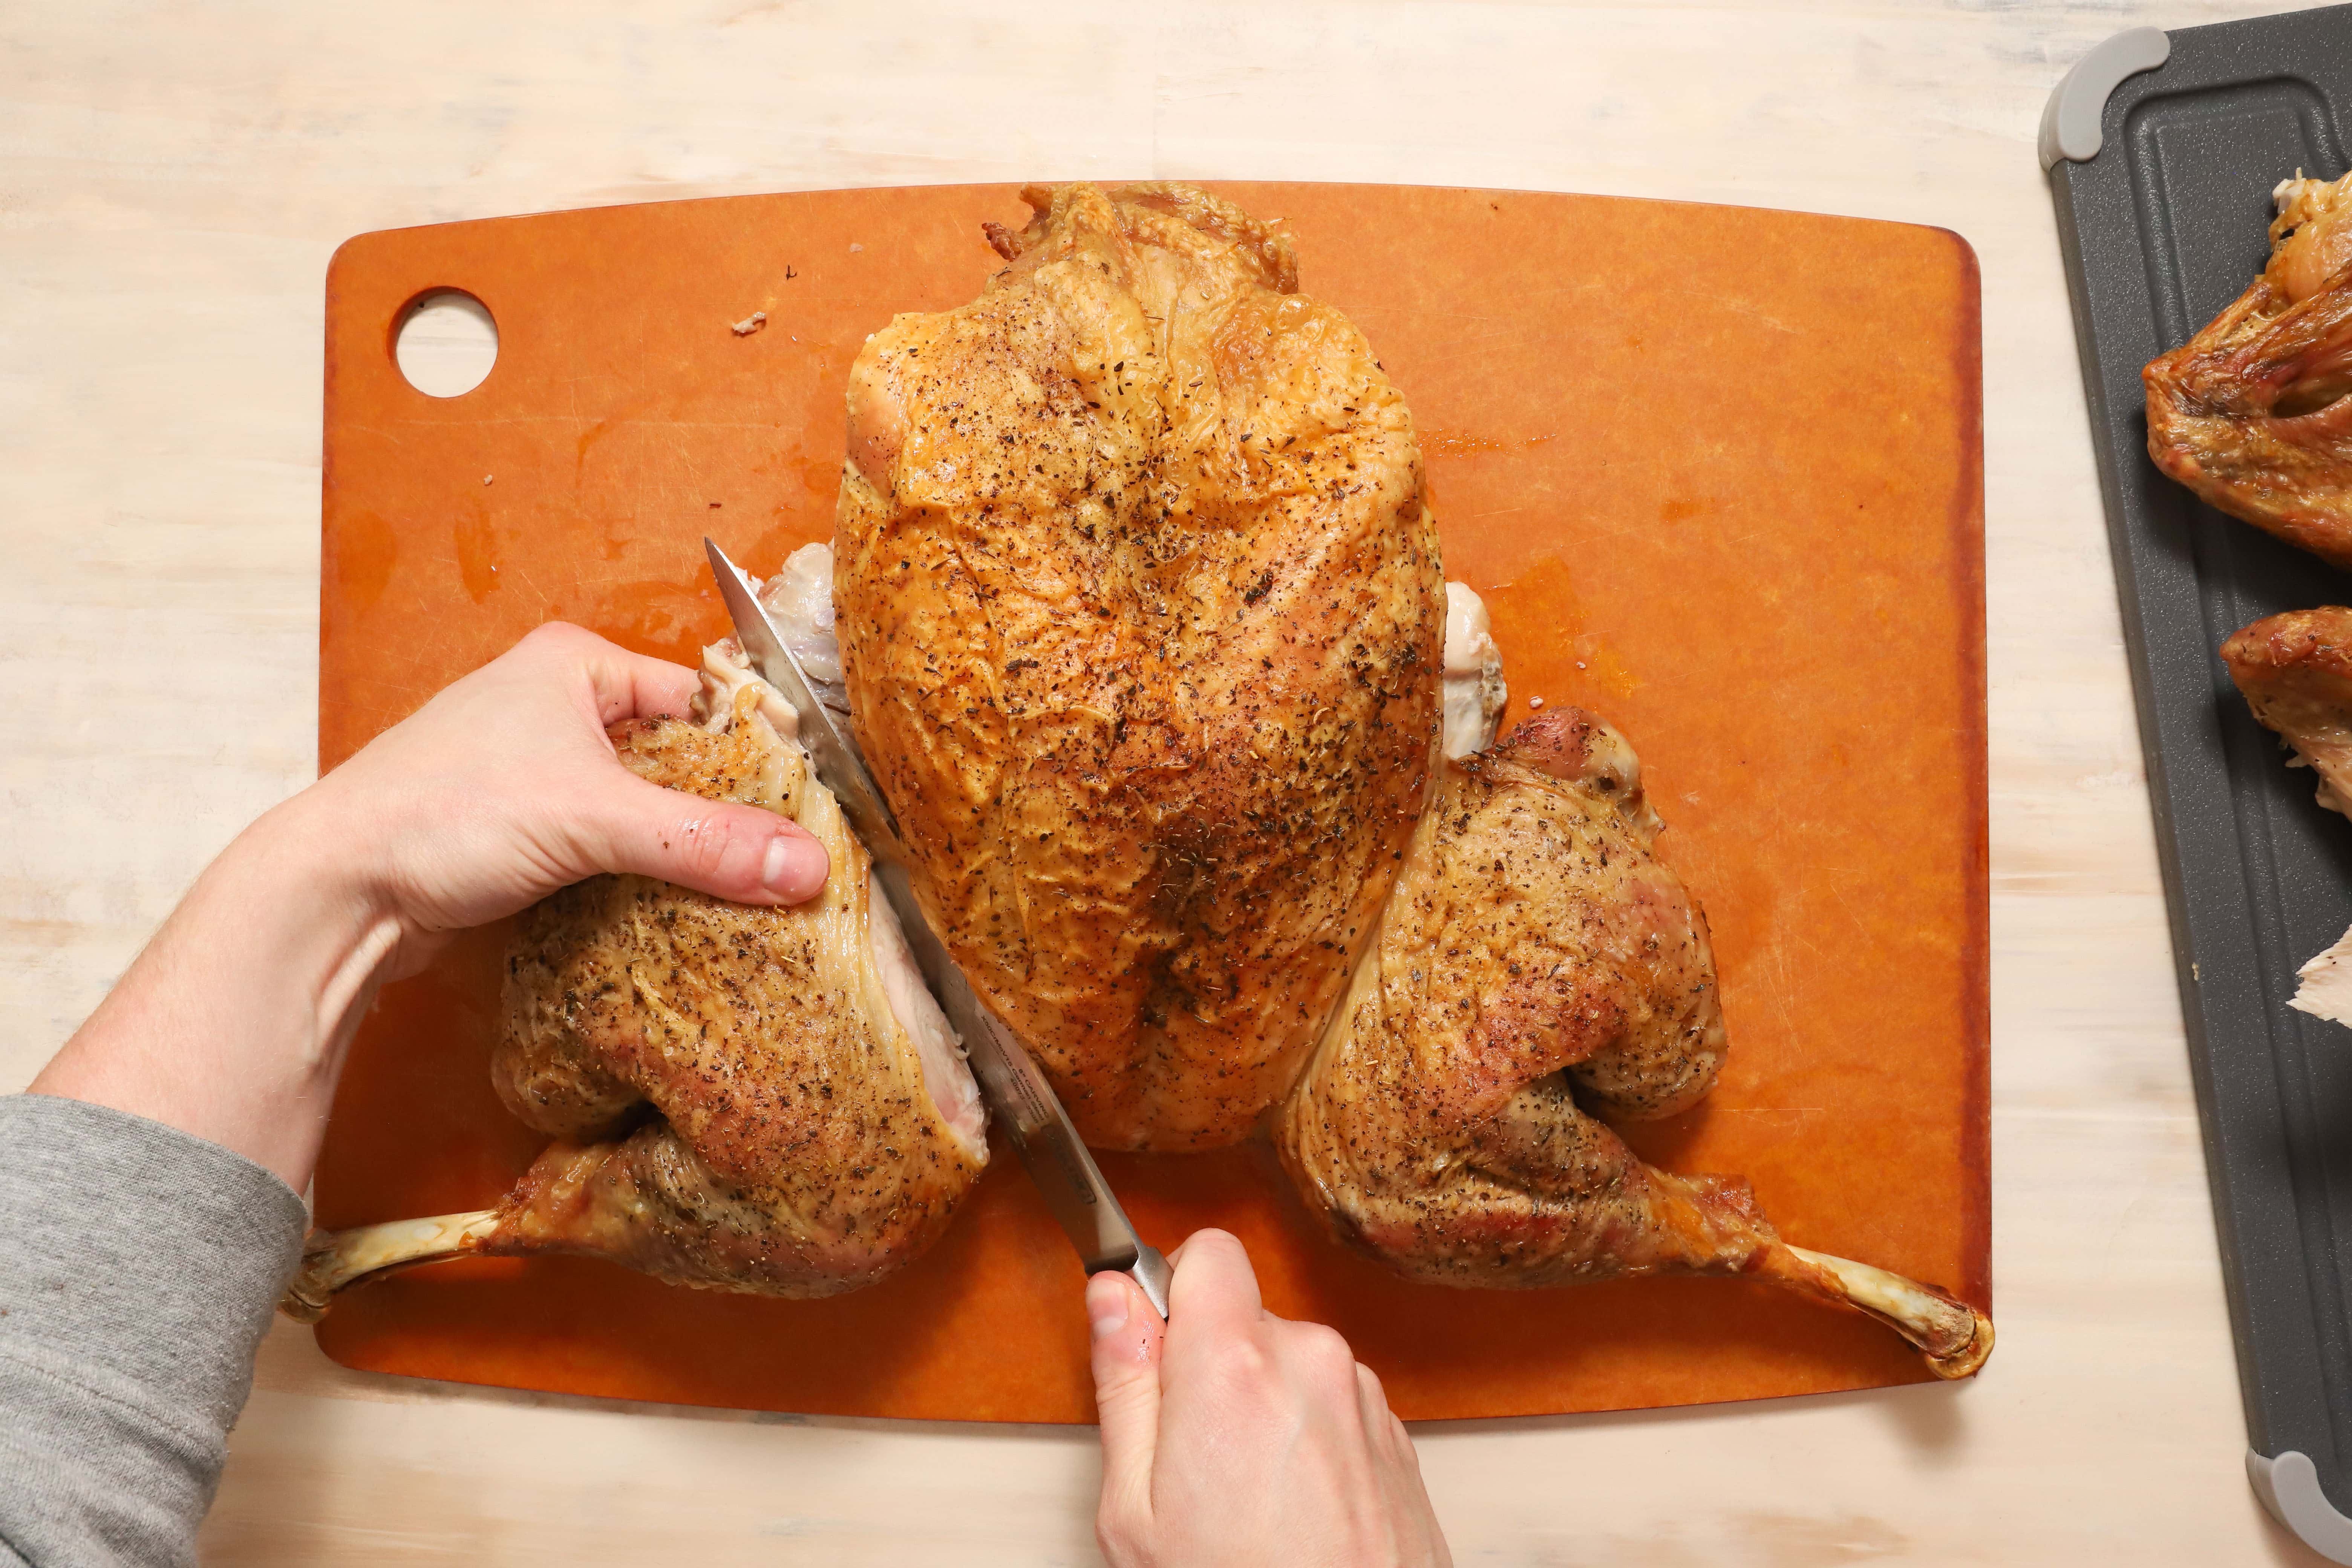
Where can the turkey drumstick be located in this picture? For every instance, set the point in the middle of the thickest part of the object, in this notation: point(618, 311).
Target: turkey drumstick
point(1538, 968)
point(750, 1100)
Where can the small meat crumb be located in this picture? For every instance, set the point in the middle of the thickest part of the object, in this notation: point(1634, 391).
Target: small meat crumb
point(748, 324)
point(1534, 702)
point(486, 477)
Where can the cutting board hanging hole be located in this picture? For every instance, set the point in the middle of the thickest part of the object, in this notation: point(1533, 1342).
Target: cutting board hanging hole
point(445, 342)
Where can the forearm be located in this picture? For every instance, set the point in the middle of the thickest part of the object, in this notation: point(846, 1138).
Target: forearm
point(139, 1264)
point(138, 1269)
point(141, 1253)
point(232, 1024)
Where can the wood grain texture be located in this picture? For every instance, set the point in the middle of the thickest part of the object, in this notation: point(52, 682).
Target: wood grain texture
point(174, 179)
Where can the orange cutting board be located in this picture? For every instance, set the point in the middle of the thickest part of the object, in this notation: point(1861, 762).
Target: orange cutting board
point(1718, 472)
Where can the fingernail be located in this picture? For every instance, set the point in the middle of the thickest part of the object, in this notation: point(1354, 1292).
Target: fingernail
point(794, 866)
point(1105, 1305)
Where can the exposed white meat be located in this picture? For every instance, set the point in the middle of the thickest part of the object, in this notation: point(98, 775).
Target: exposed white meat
point(798, 601)
point(945, 1071)
point(2326, 988)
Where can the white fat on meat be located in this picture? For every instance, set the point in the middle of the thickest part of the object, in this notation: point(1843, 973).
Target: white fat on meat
point(1475, 692)
point(2326, 991)
point(798, 601)
point(726, 676)
point(946, 1073)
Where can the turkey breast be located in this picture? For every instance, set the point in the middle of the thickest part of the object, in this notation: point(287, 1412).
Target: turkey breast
point(1141, 621)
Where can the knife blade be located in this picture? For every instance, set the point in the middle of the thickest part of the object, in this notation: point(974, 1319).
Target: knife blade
point(1017, 1093)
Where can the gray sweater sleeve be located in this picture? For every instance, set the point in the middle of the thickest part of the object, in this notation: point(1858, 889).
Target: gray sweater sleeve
point(138, 1269)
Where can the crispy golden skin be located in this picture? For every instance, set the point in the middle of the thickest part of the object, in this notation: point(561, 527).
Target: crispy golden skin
point(1538, 968)
point(2250, 413)
point(1140, 613)
point(2295, 672)
point(739, 1108)
point(1536, 955)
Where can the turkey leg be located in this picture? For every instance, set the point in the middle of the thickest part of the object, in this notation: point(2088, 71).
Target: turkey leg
point(333, 1259)
point(1954, 1336)
point(763, 1100)
point(1538, 975)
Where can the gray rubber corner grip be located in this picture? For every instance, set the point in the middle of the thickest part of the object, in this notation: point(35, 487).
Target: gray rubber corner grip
point(2289, 1488)
point(2069, 120)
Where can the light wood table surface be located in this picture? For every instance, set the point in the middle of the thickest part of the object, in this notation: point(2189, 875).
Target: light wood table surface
point(172, 179)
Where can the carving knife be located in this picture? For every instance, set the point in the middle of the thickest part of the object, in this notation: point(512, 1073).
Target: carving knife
point(1016, 1092)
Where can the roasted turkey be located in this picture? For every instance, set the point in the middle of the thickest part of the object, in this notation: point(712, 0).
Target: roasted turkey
point(1145, 635)
point(2294, 671)
point(1534, 954)
point(2250, 413)
point(1144, 628)
point(1140, 613)
point(752, 1100)
point(1537, 970)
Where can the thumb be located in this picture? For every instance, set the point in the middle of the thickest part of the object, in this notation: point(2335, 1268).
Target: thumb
point(720, 848)
point(1127, 1335)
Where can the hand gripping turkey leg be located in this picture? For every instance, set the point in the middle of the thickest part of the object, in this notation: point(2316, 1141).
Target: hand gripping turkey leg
point(747, 1099)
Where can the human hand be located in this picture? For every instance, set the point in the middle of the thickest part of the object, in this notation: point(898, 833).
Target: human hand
point(1232, 1437)
point(232, 1022)
point(504, 788)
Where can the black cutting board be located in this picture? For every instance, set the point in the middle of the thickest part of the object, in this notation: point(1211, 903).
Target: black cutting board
point(2161, 229)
